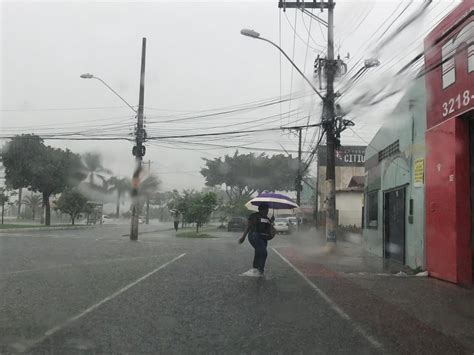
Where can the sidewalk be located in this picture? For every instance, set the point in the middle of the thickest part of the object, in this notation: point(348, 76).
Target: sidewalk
point(370, 291)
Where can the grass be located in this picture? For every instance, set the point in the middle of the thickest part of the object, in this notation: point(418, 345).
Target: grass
point(193, 234)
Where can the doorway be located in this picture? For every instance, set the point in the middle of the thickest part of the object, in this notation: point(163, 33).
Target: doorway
point(394, 225)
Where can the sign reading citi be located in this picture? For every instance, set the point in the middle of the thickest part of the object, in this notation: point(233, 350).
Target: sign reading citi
point(345, 156)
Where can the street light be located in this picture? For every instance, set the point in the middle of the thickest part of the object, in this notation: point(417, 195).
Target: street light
point(371, 63)
point(256, 35)
point(90, 76)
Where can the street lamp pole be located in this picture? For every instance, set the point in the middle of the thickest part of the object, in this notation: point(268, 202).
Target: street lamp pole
point(140, 136)
point(256, 35)
point(90, 76)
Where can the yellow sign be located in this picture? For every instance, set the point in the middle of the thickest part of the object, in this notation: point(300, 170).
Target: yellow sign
point(419, 172)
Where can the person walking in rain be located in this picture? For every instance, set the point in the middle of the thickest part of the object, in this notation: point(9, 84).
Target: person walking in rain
point(176, 218)
point(259, 230)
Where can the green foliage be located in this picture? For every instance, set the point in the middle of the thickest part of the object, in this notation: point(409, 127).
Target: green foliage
point(20, 159)
point(149, 185)
point(121, 185)
point(245, 174)
point(195, 207)
point(94, 168)
point(72, 202)
point(194, 235)
point(201, 207)
point(34, 203)
point(29, 163)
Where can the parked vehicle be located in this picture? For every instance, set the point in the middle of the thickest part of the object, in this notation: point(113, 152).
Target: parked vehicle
point(293, 221)
point(282, 225)
point(237, 224)
point(106, 219)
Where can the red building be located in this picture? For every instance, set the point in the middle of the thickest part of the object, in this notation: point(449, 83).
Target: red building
point(449, 66)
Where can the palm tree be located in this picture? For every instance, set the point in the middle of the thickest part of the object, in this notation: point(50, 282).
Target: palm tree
point(33, 202)
point(93, 166)
point(148, 187)
point(121, 185)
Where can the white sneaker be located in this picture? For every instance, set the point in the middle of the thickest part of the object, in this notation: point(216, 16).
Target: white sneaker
point(252, 273)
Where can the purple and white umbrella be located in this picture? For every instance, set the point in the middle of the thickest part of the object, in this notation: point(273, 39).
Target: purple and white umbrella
point(274, 201)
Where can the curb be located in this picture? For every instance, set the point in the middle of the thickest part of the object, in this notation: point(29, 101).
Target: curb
point(14, 230)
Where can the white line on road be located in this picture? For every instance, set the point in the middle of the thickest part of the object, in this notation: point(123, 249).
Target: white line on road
point(62, 266)
point(332, 304)
point(57, 328)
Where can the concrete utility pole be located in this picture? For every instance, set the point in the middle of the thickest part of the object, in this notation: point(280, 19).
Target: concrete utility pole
point(299, 178)
point(329, 122)
point(329, 115)
point(139, 149)
point(300, 171)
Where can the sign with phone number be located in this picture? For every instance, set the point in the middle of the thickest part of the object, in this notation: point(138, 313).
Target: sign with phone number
point(457, 103)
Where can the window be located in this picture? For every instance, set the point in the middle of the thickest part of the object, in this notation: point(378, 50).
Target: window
point(372, 209)
point(390, 150)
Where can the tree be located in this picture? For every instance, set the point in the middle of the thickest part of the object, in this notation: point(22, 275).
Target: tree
point(121, 185)
point(4, 198)
point(93, 167)
point(29, 163)
point(201, 206)
point(147, 188)
point(73, 203)
point(244, 174)
point(163, 201)
point(34, 203)
point(57, 171)
point(20, 194)
point(19, 157)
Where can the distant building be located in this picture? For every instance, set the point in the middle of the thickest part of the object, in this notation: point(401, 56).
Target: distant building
point(349, 185)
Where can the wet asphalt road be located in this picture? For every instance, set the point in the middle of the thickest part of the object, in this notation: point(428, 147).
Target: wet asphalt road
point(93, 291)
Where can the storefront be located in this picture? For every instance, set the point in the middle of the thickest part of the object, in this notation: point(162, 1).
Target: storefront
point(449, 67)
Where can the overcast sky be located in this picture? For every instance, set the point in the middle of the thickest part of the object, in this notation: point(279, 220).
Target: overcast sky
point(196, 60)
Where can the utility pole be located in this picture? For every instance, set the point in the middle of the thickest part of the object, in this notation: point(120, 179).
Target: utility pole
point(299, 172)
point(329, 114)
point(329, 122)
point(139, 149)
point(299, 178)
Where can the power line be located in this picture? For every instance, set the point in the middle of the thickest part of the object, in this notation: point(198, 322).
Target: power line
point(299, 37)
point(229, 133)
point(61, 109)
point(292, 59)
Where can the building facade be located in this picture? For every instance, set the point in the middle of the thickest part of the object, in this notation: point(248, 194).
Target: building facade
point(349, 198)
point(394, 189)
point(449, 62)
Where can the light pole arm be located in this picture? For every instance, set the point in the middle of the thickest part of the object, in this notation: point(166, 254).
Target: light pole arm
point(294, 65)
point(116, 93)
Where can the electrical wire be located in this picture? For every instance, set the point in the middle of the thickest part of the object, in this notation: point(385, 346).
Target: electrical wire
point(300, 38)
point(292, 59)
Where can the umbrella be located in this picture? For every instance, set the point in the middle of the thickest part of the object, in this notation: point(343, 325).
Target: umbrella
point(274, 201)
point(282, 212)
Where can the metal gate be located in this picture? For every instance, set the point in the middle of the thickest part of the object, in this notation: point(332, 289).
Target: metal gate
point(394, 225)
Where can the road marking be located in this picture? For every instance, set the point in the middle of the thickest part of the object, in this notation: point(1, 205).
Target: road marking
point(67, 322)
point(333, 305)
point(60, 266)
